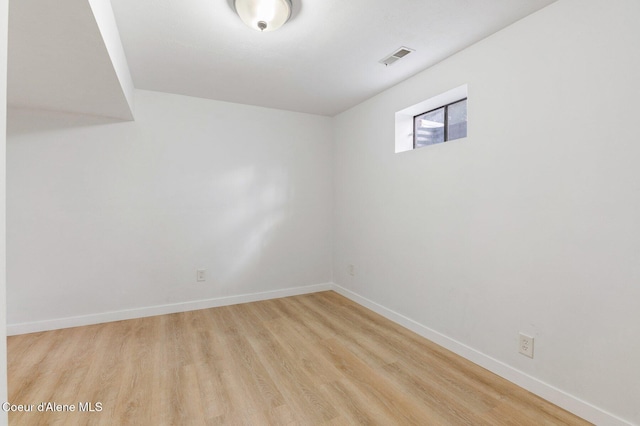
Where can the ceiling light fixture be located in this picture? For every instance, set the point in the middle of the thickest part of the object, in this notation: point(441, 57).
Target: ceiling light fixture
point(263, 15)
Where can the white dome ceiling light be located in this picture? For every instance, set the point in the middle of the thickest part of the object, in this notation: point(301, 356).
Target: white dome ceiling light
point(264, 15)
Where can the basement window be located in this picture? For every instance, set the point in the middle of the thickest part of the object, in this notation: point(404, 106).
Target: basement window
point(436, 120)
point(440, 125)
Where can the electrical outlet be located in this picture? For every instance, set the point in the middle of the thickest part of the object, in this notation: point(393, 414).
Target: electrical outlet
point(525, 346)
point(201, 275)
point(351, 269)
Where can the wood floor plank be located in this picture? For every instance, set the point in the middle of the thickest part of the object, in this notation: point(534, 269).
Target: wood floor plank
point(289, 373)
point(328, 321)
point(317, 359)
point(396, 403)
point(355, 406)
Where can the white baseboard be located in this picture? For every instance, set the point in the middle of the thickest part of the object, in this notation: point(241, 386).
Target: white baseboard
point(552, 394)
point(58, 323)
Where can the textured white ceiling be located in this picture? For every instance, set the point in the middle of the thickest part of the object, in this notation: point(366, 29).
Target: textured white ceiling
point(323, 61)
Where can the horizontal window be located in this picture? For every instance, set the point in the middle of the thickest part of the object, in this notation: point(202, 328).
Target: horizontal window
point(435, 120)
point(442, 124)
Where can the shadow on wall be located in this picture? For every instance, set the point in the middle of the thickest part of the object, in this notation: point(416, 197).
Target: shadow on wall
point(48, 121)
point(121, 215)
point(250, 222)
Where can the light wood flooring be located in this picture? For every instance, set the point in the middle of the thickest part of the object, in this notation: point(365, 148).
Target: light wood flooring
point(316, 359)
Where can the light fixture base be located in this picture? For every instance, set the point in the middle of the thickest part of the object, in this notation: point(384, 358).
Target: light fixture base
point(263, 15)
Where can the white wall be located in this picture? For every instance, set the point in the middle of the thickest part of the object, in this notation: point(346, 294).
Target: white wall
point(531, 223)
point(109, 216)
point(4, 30)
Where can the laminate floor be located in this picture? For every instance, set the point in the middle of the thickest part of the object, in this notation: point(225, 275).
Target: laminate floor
point(316, 359)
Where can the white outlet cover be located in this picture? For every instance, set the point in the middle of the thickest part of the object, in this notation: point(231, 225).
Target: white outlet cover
point(201, 275)
point(525, 345)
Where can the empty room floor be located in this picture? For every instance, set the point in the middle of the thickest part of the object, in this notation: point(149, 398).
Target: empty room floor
point(309, 360)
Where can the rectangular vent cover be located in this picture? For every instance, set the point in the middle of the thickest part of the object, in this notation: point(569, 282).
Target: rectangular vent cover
point(395, 56)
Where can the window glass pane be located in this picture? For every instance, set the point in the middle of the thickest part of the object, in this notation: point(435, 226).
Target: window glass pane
point(457, 116)
point(429, 128)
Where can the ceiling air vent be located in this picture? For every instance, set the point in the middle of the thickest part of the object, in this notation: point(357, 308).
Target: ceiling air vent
point(395, 56)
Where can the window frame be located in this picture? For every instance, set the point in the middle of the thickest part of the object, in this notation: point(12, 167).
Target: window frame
point(446, 122)
point(403, 118)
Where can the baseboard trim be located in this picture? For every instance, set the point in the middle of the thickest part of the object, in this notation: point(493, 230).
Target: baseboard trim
point(76, 321)
point(552, 394)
